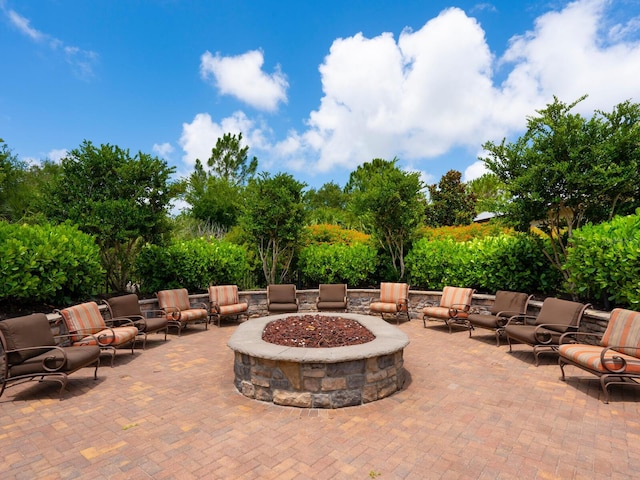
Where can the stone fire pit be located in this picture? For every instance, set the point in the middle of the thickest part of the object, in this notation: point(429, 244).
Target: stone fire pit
point(319, 377)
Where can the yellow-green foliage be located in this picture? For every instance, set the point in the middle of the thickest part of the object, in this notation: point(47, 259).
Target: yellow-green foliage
point(462, 233)
point(325, 233)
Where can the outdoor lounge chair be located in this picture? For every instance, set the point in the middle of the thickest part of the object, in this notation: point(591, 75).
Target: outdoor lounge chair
point(87, 326)
point(128, 306)
point(394, 300)
point(505, 305)
point(224, 301)
point(332, 297)
point(282, 298)
point(453, 309)
point(616, 360)
point(30, 352)
point(556, 317)
point(179, 311)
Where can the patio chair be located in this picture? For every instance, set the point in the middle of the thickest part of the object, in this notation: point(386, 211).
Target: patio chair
point(394, 300)
point(332, 297)
point(556, 317)
point(505, 305)
point(29, 352)
point(224, 301)
point(453, 308)
point(87, 326)
point(179, 310)
point(616, 360)
point(282, 299)
point(128, 306)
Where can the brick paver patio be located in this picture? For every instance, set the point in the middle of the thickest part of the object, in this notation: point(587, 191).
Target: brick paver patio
point(469, 410)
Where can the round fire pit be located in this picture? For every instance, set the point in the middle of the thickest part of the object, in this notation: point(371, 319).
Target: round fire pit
point(318, 377)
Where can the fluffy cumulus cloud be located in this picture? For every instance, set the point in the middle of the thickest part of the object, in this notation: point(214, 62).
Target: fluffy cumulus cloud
point(242, 77)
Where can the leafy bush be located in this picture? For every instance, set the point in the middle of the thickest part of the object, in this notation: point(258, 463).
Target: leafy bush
point(504, 262)
point(193, 264)
point(603, 261)
point(337, 263)
point(462, 233)
point(48, 263)
point(325, 233)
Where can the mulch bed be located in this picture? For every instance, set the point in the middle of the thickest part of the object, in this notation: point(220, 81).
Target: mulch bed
point(316, 331)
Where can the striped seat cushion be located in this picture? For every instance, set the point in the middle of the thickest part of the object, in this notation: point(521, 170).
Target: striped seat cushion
point(383, 307)
point(233, 309)
point(589, 357)
point(623, 332)
point(193, 314)
point(116, 336)
point(84, 319)
point(436, 312)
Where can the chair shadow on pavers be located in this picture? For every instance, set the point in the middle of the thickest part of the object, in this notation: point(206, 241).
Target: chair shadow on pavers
point(505, 305)
point(151, 321)
point(31, 352)
point(543, 332)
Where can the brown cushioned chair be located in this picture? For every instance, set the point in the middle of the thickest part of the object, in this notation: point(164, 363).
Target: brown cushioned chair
point(224, 301)
point(616, 360)
point(282, 298)
point(556, 317)
point(87, 326)
point(128, 306)
point(505, 305)
point(30, 352)
point(179, 310)
point(394, 300)
point(453, 308)
point(332, 297)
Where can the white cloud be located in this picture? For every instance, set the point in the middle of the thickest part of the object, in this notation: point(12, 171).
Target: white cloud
point(57, 154)
point(473, 171)
point(163, 149)
point(82, 61)
point(242, 77)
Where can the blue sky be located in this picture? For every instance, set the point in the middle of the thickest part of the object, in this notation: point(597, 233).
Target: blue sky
point(316, 87)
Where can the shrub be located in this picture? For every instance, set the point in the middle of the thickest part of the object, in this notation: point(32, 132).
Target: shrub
point(504, 262)
point(462, 233)
point(325, 233)
point(604, 261)
point(192, 264)
point(337, 263)
point(48, 263)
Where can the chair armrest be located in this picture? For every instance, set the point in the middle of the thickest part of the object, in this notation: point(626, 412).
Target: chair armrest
point(214, 307)
point(606, 361)
point(458, 308)
point(122, 321)
point(521, 319)
point(45, 367)
point(198, 305)
point(402, 304)
point(572, 337)
point(545, 338)
point(171, 312)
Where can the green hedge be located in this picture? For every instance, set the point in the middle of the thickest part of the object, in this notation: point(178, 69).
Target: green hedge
point(337, 263)
point(504, 262)
point(192, 264)
point(47, 263)
point(603, 261)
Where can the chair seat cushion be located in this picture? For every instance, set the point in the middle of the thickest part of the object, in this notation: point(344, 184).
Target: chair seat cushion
point(193, 314)
point(527, 334)
point(589, 357)
point(27, 332)
point(233, 309)
point(485, 321)
point(283, 307)
point(153, 324)
point(115, 336)
point(77, 357)
point(331, 305)
point(436, 312)
point(383, 307)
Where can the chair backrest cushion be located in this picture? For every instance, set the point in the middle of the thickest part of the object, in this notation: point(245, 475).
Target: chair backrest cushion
point(24, 332)
point(509, 302)
point(456, 296)
point(281, 293)
point(84, 318)
point(623, 331)
point(392, 292)
point(560, 313)
point(224, 294)
point(124, 305)
point(177, 298)
point(332, 292)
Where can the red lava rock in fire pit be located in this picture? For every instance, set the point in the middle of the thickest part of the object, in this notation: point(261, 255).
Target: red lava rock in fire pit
point(316, 331)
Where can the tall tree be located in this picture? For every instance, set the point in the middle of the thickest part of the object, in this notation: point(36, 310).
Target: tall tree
point(230, 160)
point(274, 217)
point(449, 202)
point(567, 170)
point(391, 204)
point(491, 194)
point(120, 199)
point(11, 173)
point(328, 205)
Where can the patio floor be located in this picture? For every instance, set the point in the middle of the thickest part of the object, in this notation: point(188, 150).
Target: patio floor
point(469, 410)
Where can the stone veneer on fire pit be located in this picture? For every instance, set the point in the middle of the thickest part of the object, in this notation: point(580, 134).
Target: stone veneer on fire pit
point(318, 377)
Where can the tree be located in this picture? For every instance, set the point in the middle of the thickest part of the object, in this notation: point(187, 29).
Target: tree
point(491, 194)
point(450, 203)
point(328, 205)
point(390, 203)
point(215, 195)
point(567, 170)
point(274, 217)
point(121, 200)
point(11, 172)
